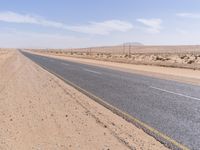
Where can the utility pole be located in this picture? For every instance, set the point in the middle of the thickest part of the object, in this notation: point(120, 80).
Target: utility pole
point(124, 49)
point(129, 51)
point(90, 51)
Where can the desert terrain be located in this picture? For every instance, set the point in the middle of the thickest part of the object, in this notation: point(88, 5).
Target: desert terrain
point(39, 111)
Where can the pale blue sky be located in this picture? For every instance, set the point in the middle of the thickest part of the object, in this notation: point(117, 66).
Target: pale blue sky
point(83, 23)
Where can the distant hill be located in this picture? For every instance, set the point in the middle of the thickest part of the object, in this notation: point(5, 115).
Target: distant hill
point(133, 43)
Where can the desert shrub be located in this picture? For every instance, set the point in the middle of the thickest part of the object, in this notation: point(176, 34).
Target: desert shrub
point(190, 62)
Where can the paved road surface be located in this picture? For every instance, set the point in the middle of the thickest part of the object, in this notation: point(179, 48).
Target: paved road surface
point(171, 107)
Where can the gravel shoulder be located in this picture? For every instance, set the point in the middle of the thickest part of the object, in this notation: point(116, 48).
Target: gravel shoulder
point(39, 111)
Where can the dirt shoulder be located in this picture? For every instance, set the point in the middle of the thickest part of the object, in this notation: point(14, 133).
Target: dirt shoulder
point(39, 111)
point(177, 74)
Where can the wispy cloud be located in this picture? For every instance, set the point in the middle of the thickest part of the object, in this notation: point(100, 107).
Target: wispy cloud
point(13, 17)
point(100, 28)
point(103, 28)
point(189, 15)
point(181, 31)
point(153, 25)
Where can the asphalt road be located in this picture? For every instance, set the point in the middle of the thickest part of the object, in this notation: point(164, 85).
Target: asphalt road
point(172, 108)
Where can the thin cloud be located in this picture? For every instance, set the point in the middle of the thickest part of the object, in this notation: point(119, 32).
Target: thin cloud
point(99, 28)
point(181, 31)
point(12, 17)
point(103, 28)
point(189, 15)
point(153, 25)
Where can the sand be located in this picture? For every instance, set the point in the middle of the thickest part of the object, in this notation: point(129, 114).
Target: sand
point(39, 111)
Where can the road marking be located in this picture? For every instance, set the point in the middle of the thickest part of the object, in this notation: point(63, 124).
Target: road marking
point(179, 94)
point(88, 70)
point(65, 64)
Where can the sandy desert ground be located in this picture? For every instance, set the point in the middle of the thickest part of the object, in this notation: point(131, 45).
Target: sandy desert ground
point(39, 111)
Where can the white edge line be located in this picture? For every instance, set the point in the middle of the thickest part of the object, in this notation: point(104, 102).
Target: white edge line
point(65, 64)
point(179, 94)
point(88, 70)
